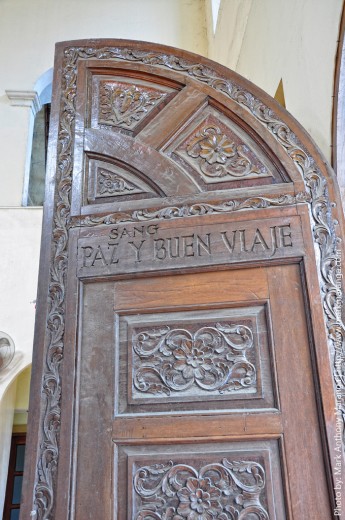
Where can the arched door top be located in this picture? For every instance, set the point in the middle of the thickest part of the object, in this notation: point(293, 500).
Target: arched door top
point(144, 133)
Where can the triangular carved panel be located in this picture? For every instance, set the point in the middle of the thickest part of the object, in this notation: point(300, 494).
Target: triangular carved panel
point(107, 181)
point(124, 105)
point(213, 150)
point(112, 183)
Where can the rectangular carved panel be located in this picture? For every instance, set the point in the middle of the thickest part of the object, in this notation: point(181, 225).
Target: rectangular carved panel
point(194, 360)
point(228, 481)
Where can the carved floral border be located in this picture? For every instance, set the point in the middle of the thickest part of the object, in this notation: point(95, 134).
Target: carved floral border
point(323, 228)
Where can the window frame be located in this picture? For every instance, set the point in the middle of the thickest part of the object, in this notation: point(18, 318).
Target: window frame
point(18, 439)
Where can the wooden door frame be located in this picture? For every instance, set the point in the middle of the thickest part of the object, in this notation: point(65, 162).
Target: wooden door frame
point(318, 205)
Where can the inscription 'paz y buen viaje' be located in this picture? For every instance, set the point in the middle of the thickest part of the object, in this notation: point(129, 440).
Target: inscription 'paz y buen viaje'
point(236, 241)
point(128, 248)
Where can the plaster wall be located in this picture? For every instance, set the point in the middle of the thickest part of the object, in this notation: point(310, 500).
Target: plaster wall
point(20, 235)
point(266, 40)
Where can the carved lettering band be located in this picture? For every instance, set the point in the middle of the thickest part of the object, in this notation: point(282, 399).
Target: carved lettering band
point(129, 247)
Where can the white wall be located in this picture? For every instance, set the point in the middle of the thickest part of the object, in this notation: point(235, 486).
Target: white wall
point(296, 40)
point(29, 31)
point(20, 234)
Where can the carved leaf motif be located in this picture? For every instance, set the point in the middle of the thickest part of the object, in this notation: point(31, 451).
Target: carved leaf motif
point(122, 104)
point(212, 359)
point(227, 490)
point(173, 212)
point(112, 183)
point(218, 156)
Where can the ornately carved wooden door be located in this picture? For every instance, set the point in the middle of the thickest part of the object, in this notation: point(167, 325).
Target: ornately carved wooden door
point(206, 374)
point(185, 372)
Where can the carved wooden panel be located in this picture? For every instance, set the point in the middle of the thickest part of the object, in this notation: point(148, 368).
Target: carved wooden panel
point(109, 181)
point(125, 104)
point(218, 154)
point(214, 149)
point(209, 357)
point(106, 418)
point(230, 482)
point(204, 360)
point(204, 147)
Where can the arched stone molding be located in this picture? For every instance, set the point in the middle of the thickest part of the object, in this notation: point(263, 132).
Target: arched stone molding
point(35, 99)
point(43, 86)
point(10, 374)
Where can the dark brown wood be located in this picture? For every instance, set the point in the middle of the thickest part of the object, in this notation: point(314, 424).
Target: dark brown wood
point(286, 297)
point(173, 117)
point(194, 466)
point(182, 348)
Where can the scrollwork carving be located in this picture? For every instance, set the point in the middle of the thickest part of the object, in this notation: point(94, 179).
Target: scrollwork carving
point(172, 212)
point(218, 156)
point(323, 227)
point(211, 359)
point(122, 104)
point(112, 183)
point(228, 490)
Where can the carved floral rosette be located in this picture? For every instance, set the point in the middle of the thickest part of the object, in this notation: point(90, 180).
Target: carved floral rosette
point(211, 359)
point(112, 183)
point(323, 228)
point(220, 157)
point(226, 490)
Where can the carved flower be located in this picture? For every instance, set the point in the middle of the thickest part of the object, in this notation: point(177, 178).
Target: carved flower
point(199, 500)
point(193, 358)
point(109, 182)
point(216, 148)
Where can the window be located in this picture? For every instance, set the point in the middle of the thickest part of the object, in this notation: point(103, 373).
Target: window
point(35, 195)
point(15, 477)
